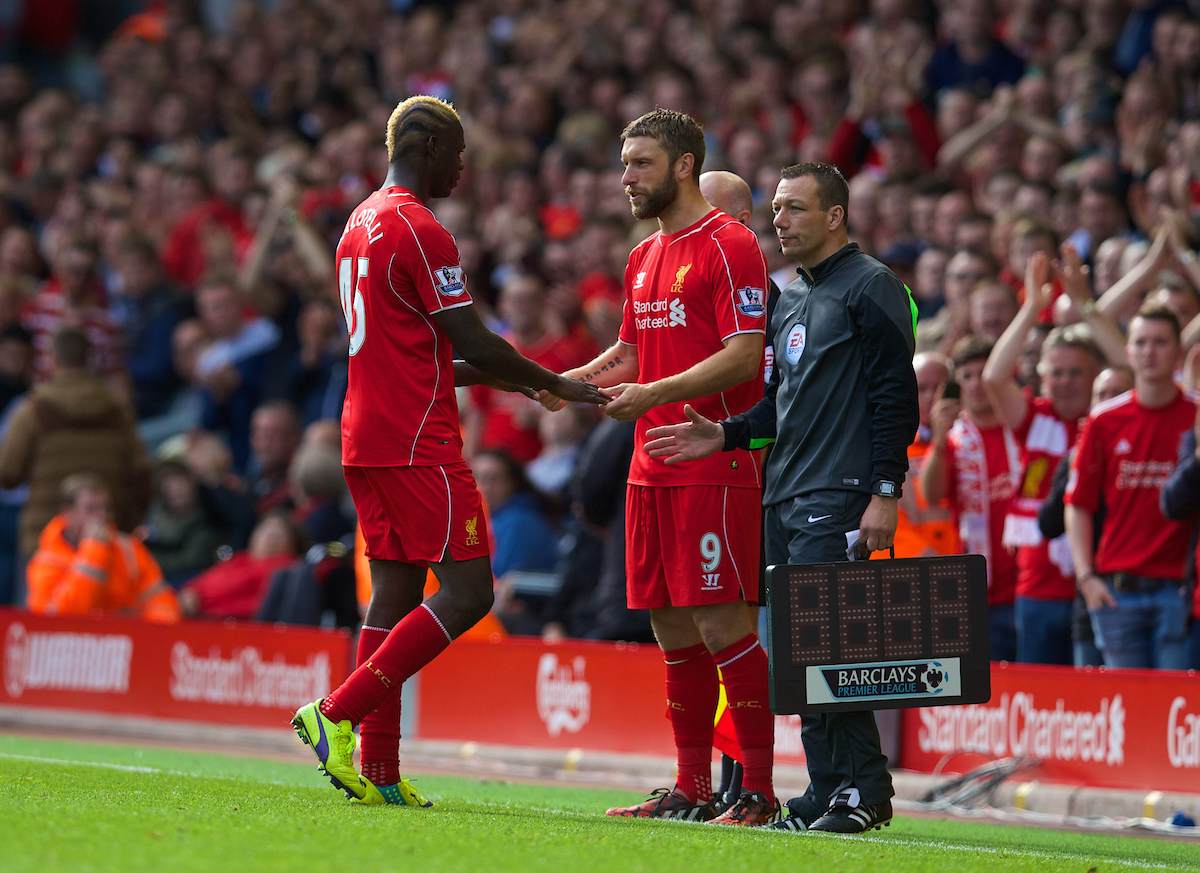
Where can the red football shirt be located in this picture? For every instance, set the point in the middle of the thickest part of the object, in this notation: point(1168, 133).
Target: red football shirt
point(396, 268)
point(685, 294)
point(1126, 453)
point(983, 465)
point(1044, 568)
point(47, 311)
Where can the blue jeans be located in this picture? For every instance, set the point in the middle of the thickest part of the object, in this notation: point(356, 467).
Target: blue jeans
point(1002, 633)
point(1044, 631)
point(1194, 645)
point(8, 556)
point(1087, 655)
point(1146, 630)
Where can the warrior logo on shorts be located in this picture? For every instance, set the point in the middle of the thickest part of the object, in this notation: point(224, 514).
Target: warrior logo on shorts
point(472, 533)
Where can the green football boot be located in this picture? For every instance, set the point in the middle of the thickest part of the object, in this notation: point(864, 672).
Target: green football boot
point(333, 743)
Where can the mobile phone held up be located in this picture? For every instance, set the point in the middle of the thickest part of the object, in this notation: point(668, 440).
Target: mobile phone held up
point(952, 391)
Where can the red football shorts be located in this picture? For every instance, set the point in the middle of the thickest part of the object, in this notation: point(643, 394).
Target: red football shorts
point(691, 545)
point(419, 515)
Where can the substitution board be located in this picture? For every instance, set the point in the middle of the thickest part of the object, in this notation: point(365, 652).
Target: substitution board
point(883, 634)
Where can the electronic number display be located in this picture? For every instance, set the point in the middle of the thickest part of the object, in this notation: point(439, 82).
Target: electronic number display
point(885, 634)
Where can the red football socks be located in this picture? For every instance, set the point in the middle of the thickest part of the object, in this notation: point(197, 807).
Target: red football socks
point(379, 733)
point(413, 643)
point(692, 691)
point(744, 670)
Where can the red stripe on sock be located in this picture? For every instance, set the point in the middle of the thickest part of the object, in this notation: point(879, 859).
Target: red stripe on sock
point(745, 676)
point(413, 643)
point(692, 691)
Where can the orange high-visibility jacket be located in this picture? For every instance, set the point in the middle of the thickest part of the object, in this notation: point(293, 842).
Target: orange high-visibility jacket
point(119, 577)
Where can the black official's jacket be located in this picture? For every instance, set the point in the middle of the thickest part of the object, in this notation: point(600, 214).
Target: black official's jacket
point(841, 405)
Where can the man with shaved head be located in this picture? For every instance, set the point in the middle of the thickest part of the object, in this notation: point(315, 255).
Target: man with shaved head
point(728, 192)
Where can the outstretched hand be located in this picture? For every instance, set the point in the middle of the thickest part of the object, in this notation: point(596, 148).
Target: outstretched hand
point(628, 401)
point(574, 391)
point(687, 441)
point(549, 401)
point(1038, 291)
point(1073, 274)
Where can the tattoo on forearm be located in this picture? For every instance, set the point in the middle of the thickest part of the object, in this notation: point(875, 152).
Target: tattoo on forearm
point(603, 368)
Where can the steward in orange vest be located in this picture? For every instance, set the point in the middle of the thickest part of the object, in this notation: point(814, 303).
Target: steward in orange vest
point(83, 564)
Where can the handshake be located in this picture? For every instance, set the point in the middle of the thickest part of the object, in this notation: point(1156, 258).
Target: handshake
point(625, 402)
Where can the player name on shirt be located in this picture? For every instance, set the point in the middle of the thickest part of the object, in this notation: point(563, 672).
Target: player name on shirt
point(400, 405)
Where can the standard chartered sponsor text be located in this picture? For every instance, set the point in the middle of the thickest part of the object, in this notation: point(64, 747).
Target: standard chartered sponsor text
point(1183, 735)
point(1018, 727)
point(245, 679)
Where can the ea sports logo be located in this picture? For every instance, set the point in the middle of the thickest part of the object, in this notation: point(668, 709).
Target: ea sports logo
point(794, 347)
point(16, 651)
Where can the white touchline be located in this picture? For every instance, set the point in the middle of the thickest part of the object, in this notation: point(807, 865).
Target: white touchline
point(131, 768)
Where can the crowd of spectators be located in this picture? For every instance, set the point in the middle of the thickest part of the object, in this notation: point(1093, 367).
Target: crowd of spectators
point(173, 184)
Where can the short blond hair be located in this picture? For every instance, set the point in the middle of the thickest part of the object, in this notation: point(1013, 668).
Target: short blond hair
point(416, 119)
point(75, 484)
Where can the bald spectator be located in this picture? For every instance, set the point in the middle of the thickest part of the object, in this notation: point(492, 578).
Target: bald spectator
point(317, 490)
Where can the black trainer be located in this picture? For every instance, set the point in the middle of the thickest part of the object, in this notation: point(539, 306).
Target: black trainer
point(848, 815)
point(800, 815)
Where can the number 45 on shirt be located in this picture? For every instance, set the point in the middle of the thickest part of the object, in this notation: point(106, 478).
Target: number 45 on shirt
point(352, 301)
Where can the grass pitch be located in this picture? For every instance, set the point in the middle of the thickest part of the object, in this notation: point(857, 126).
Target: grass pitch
point(89, 807)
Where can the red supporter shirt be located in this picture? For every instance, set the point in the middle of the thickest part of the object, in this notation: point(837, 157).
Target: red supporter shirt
point(1126, 453)
point(185, 256)
point(46, 312)
point(1044, 568)
point(983, 466)
point(685, 294)
point(396, 268)
point(510, 420)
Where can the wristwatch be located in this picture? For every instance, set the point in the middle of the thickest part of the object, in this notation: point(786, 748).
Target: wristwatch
point(1088, 309)
point(884, 488)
